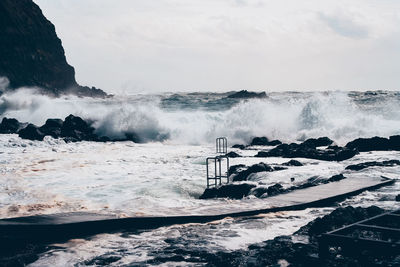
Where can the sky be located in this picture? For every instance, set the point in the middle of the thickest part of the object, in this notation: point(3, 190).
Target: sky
point(149, 46)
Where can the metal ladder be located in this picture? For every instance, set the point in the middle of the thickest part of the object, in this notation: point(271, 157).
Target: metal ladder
point(220, 162)
point(221, 145)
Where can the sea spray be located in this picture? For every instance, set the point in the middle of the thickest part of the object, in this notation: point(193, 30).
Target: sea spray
point(199, 118)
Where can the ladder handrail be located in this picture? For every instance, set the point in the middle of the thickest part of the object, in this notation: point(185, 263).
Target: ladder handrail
point(218, 175)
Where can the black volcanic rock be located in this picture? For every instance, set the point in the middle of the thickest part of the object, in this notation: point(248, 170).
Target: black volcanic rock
point(75, 127)
point(369, 144)
point(260, 167)
point(394, 142)
point(10, 126)
point(259, 141)
point(236, 168)
point(32, 54)
point(263, 141)
point(274, 143)
point(322, 141)
point(239, 146)
point(360, 166)
point(52, 127)
point(233, 191)
point(303, 151)
point(233, 155)
point(247, 94)
point(31, 132)
point(293, 162)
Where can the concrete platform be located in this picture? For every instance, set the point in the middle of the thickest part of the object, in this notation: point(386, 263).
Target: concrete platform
point(55, 227)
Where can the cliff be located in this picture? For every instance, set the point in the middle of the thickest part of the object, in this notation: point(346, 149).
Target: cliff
point(31, 54)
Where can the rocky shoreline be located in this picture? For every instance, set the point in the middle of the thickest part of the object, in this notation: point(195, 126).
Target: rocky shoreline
point(71, 129)
point(299, 249)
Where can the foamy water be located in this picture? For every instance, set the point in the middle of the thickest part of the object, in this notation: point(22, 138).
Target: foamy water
point(199, 118)
point(167, 173)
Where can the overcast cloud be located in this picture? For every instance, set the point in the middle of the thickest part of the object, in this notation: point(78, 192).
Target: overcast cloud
point(139, 46)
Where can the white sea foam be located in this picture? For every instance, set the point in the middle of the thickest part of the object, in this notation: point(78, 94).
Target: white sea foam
point(284, 116)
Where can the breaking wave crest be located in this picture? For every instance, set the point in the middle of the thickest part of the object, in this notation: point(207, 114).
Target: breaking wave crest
point(285, 116)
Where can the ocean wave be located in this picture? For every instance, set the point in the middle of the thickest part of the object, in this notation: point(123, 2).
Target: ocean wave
point(200, 118)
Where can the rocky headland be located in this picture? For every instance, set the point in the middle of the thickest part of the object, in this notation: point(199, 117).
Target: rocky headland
point(32, 55)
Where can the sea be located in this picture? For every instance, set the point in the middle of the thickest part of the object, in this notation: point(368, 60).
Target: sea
point(165, 173)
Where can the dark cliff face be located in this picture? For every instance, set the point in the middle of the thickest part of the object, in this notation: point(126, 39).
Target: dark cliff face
point(31, 54)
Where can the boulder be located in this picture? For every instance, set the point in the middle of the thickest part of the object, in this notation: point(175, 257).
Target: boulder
point(233, 191)
point(260, 167)
point(246, 94)
point(394, 142)
point(31, 132)
point(369, 144)
point(235, 168)
point(263, 141)
point(293, 162)
point(275, 189)
point(131, 136)
point(10, 126)
point(262, 192)
point(397, 197)
point(75, 127)
point(52, 127)
point(304, 151)
point(259, 141)
point(363, 165)
point(274, 143)
point(336, 178)
point(322, 141)
point(239, 146)
point(233, 155)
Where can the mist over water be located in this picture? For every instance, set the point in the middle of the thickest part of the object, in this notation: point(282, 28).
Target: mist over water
point(198, 118)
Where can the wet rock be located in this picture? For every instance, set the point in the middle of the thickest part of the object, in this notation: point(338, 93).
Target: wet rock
point(10, 126)
point(274, 143)
point(233, 155)
point(275, 189)
point(304, 151)
point(314, 181)
point(322, 141)
point(233, 191)
point(239, 146)
point(360, 166)
point(246, 94)
point(262, 192)
point(370, 144)
point(336, 178)
point(280, 251)
point(293, 162)
point(337, 219)
point(132, 137)
point(75, 127)
point(31, 132)
point(235, 168)
point(260, 167)
point(263, 141)
point(103, 260)
point(52, 127)
point(343, 154)
point(259, 141)
point(279, 168)
point(397, 197)
point(394, 142)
